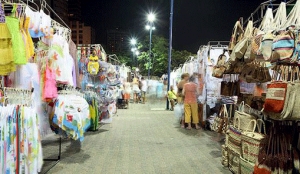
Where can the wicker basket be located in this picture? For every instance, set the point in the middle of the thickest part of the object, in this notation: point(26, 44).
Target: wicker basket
point(246, 166)
point(252, 142)
point(234, 137)
point(234, 162)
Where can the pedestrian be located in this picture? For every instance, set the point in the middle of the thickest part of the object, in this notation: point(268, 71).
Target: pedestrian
point(180, 97)
point(136, 89)
point(172, 97)
point(144, 89)
point(190, 92)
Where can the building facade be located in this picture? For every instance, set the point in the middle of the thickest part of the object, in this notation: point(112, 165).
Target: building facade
point(82, 34)
point(116, 41)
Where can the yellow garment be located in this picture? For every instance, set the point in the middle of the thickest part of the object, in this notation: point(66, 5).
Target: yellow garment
point(93, 58)
point(7, 64)
point(191, 110)
point(29, 39)
point(172, 95)
point(24, 37)
point(93, 68)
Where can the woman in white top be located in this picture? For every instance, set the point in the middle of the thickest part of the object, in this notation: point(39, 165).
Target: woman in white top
point(136, 89)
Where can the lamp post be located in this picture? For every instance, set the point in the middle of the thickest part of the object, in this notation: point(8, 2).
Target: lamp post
point(133, 49)
point(170, 47)
point(137, 53)
point(150, 27)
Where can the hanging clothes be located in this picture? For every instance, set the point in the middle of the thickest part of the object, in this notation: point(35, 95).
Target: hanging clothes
point(72, 115)
point(20, 144)
point(18, 45)
point(6, 52)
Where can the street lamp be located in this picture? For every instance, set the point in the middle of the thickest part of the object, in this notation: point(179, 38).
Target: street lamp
point(150, 26)
point(133, 43)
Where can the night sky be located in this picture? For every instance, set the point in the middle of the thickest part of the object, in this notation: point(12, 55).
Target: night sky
point(195, 21)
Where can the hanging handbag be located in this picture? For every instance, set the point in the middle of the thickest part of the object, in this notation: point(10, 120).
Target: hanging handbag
point(241, 47)
point(266, 45)
point(236, 35)
point(222, 125)
point(219, 69)
point(284, 47)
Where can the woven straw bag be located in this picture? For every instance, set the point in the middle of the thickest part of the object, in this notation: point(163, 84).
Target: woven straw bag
point(224, 156)
point(244, 118)
point(234, 136)
point(252, 142)
point(234, 162)
point(246, 166)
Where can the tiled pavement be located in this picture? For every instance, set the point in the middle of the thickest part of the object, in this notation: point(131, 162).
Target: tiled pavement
point(139, 141)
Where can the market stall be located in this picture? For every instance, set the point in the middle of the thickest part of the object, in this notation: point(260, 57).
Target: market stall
point(262, 70)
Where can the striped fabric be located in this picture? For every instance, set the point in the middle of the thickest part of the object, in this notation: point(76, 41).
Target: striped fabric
point(283, 47)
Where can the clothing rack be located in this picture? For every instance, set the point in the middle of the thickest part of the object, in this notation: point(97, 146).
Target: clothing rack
point(260, 10)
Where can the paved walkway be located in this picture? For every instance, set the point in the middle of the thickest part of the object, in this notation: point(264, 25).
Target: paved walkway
point(143, 139)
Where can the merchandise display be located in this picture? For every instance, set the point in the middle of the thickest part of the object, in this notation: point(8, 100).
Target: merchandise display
point(260, 80)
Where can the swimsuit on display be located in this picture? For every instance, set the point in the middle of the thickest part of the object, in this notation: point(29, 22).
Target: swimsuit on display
point(18, 45)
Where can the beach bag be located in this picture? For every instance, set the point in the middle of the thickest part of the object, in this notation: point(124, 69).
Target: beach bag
point(246, 166)
point(284, 47)
point(244, 118)
point(233, 161)
point(219, 69)
point(234, 136)
point(252, 142)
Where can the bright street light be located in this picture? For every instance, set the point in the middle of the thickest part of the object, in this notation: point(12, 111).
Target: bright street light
point(133, 41)
point(151, 17)
point(133, 49)
point(148, 27)
point(137, 53)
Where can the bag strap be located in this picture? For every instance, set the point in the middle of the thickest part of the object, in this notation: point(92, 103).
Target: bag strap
point(292, 18)
point(249, 29)
point(242, 106)
point(254, 125)
point(280, 17)
point(267, 20)
point(225, 111)
point(239, 123)
point(246, 155)
point(263, 124)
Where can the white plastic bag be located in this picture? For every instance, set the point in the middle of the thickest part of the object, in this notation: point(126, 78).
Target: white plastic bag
point(178, 111)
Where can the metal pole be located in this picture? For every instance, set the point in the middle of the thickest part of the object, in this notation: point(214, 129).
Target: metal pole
point(149, 61)
point(170, 47)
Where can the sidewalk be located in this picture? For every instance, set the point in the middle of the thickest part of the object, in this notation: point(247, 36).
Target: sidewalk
point(140, 141)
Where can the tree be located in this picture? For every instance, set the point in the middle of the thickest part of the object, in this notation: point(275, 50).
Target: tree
point(159, 52)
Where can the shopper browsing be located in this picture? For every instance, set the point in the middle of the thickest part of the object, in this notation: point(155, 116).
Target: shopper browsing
point(172, 97)
point(184, 80)
point(144, 89)
point(190, 92)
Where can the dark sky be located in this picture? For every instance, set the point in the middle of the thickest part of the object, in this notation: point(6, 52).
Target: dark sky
point(195, 21)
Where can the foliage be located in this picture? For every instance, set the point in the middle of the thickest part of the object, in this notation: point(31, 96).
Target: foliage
point(159, 52)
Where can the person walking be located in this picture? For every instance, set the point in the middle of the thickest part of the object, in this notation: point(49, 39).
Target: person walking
point(136, 89)
point(144, 89)
point(190, 92)
point(172, 97)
